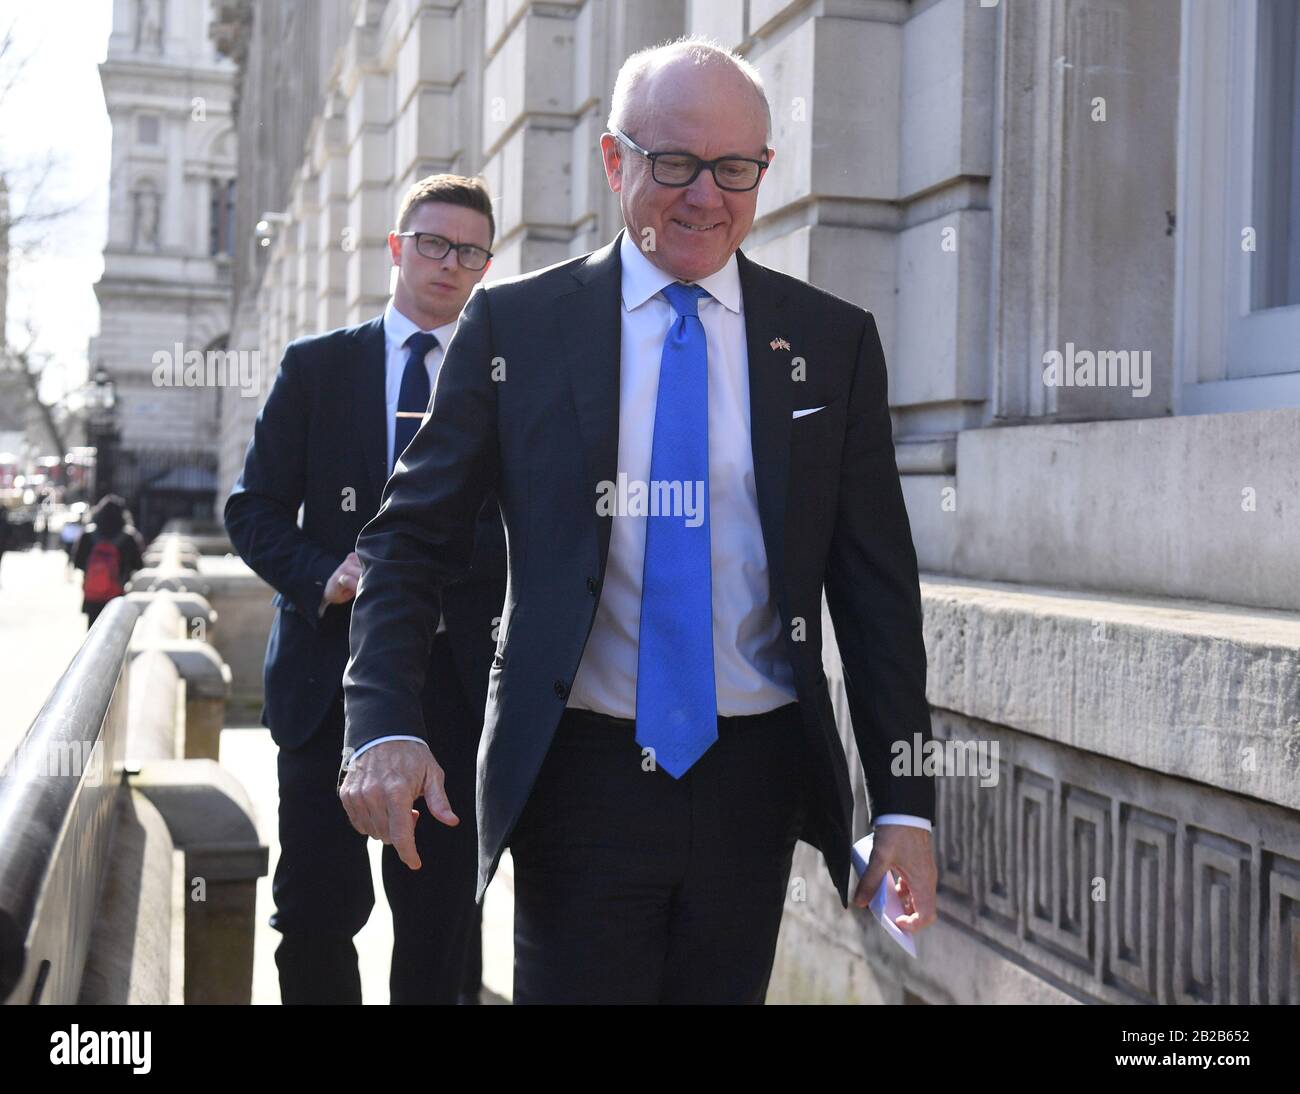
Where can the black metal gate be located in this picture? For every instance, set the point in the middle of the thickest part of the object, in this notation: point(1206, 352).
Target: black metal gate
point(160, 484)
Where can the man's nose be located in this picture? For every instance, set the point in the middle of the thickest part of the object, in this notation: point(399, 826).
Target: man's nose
point(704, 191)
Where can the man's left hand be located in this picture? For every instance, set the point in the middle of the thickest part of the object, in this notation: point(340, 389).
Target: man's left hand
point(908, 852)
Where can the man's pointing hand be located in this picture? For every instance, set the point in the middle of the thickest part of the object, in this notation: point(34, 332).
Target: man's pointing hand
point(380, 787)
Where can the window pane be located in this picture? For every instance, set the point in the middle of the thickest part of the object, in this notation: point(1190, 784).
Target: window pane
point(1276, 269)
point(214, 219)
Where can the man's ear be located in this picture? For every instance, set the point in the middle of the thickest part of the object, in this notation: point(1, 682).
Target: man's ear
point(612, 157)
point(395, 247)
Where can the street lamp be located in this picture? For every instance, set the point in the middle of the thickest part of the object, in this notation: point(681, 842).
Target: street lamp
point(101, 408)
point(264, 230)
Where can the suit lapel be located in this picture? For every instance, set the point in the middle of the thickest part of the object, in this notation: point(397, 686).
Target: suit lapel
point(770, 406)
point(589, 316)
point(369, 398)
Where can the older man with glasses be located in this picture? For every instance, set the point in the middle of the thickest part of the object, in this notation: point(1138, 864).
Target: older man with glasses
point(659, 729)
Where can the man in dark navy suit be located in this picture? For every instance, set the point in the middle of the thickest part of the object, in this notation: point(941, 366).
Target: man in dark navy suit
point(688, 449)
point(342, 410)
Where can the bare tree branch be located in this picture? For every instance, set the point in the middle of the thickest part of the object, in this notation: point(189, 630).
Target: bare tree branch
point(24, 361)
point(26, 228)
point(11, 65)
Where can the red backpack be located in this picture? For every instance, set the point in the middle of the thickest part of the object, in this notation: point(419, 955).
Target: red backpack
point(103, 572)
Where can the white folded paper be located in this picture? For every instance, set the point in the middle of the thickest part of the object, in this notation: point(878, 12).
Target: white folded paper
point(886, 904)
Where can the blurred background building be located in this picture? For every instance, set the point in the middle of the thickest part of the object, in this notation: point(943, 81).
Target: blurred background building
point(166, 287)
point(1112, 572)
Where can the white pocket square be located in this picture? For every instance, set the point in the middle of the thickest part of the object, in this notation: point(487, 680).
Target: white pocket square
point(810, 410)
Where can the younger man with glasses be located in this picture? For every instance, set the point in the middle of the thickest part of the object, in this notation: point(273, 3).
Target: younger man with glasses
point(343, 407)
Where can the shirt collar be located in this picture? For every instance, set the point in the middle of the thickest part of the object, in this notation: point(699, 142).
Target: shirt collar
point(398, 328)
point(642, 278)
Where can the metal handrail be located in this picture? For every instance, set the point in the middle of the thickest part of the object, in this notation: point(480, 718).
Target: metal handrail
point(57, 797)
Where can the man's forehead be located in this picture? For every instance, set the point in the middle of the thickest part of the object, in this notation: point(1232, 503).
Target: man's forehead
point(708, 132)
point(695, 125)
point(434, 214)
point(720, 142)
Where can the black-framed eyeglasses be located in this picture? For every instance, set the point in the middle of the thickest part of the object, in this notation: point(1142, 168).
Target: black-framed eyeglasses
point(435, 246)
point(683, 168)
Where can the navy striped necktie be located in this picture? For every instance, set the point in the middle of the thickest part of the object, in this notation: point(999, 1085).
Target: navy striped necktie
point(414, 396)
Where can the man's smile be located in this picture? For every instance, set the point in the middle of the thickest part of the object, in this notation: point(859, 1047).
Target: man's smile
point(696, 227)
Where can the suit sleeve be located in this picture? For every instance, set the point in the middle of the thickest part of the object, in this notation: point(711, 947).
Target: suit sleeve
point(873, 593)
point(422, 538)
point(262, 511)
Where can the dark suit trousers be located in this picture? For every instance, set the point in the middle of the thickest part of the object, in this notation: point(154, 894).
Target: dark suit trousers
point(322, 889)
point(635, 887)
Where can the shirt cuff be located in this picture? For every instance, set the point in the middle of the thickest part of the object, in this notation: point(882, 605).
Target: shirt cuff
point(902, 818)
point(349, 760)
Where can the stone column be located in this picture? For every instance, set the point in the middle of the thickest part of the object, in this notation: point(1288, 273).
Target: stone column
point(329, 159)
point(366, 86)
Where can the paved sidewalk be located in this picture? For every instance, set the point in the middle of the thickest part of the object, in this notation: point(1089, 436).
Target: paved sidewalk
point(250, 753)
point(41, 629)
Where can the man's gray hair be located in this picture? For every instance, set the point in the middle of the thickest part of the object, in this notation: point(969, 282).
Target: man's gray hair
point(701, 51)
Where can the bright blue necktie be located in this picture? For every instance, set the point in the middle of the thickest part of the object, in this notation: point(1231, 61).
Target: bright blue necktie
point(414, 395)
point(676, 700)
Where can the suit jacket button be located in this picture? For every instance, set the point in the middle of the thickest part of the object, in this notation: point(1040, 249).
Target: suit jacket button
point(591, 585)
point(561, 689)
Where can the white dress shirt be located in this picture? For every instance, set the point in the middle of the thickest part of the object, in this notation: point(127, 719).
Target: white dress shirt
point(751, 669)
point(397, 329)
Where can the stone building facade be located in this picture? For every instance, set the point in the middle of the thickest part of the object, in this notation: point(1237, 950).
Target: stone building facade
point(1072, 222)
point(166, 286)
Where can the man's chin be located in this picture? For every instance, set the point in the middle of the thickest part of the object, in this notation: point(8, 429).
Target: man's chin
point(693, 265)
point(443, 304)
